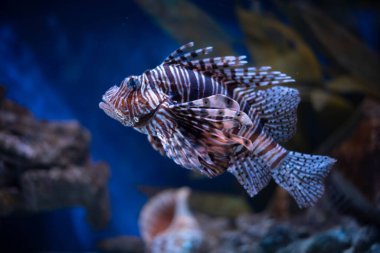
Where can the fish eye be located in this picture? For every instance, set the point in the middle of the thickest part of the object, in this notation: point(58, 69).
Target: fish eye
point(133, 83)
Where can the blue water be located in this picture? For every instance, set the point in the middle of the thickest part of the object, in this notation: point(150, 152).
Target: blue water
point(57, 59)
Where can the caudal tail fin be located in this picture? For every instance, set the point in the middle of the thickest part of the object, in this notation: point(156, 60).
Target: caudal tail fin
point(302, 176)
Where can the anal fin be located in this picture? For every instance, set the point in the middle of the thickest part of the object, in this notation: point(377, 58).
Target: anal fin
point(251, 172)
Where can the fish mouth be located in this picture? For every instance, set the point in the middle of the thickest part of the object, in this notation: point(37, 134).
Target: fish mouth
point(106, 107)
point(105, 104)
point(110, 110)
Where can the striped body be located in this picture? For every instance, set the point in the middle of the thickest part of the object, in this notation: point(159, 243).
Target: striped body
point(185, 85)
point(212, 115)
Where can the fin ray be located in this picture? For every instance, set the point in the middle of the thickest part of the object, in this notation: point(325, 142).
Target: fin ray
point(226, 69)
point(216, 101)
point(252, 173)
point(178, 52)
point(156, 144)
point(276, 108)
point(205, 127)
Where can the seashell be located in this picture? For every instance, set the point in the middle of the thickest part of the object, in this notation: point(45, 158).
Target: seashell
point(167, 225)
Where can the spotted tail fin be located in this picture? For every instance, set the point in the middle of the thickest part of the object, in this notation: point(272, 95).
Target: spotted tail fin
point(302, 176)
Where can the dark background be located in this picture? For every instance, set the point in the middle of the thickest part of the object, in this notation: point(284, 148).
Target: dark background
point(57, 58)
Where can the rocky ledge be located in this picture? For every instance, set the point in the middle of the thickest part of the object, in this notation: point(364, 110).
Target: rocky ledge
point(45, 165)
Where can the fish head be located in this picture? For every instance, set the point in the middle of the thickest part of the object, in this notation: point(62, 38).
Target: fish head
point(115, 101)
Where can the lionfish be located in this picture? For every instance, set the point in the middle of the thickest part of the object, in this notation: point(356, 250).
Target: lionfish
point(212, 115)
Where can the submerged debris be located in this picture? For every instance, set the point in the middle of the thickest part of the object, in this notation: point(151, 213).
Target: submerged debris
point(125, 244)
point(355, 191)
point(317, 230)
point(45, 165)
point(260, 233)
point(358, 155)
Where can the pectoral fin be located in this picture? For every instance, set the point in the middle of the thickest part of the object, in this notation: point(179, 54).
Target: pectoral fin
point(205, 134)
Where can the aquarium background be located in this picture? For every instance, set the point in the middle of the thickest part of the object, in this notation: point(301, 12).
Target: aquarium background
point(57, 58)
